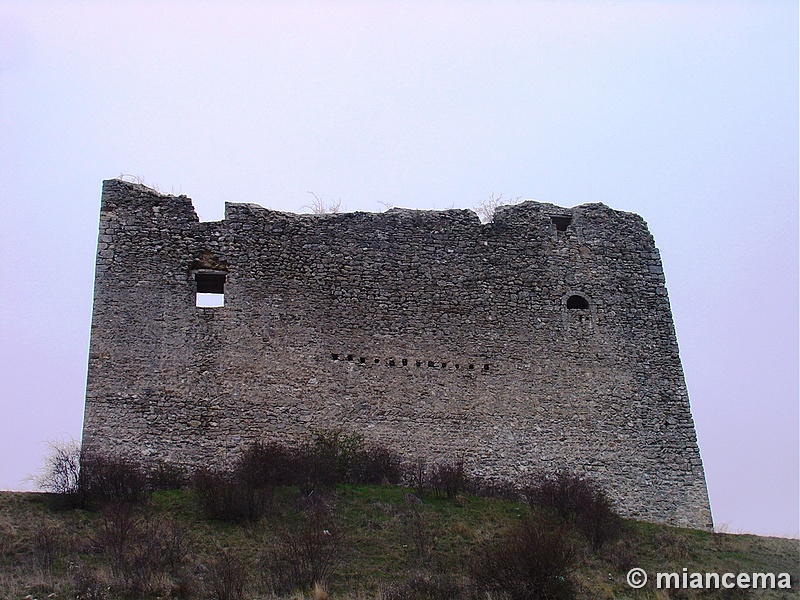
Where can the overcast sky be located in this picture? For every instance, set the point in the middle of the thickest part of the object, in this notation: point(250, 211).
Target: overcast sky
point(684, 112)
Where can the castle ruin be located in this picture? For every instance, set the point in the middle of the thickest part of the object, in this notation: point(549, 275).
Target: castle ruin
point(542, 340)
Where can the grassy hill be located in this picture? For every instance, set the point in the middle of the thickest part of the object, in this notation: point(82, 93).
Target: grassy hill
point(362, 541)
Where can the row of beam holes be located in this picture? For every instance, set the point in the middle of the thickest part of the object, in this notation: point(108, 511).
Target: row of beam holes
point(403, 362)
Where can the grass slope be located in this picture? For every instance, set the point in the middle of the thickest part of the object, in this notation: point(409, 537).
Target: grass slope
point(387, 537)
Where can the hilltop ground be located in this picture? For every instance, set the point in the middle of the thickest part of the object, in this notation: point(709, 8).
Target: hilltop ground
point(365, 542)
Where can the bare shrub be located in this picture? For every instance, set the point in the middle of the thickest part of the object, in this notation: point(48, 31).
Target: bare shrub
point(305, 555)
point(88, 480)
point(227, 576)
point(240, 494)
point(448, 479)
point(319, 207)
point(166, 476)
point(422, 533)
point(381, 465)
point(116, 535)
point(622, 555)
point(485, 209)
point(599, 523)
point(147, 553)
point(269, 463)
point(418, 477)
point(47, 543)
point(105, 479)
point(578, 501)
point(530, 561)
point(158, 554)
point(314, 469)
point(214, 493)
point(346, 451)
point(61, 470)
point(7, 537)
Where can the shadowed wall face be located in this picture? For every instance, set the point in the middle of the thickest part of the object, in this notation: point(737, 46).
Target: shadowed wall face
point(539, 341)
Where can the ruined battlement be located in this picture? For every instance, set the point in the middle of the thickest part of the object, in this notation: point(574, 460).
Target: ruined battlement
point(541, 340)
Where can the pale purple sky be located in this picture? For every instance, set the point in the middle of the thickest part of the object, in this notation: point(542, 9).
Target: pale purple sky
point(684, 112)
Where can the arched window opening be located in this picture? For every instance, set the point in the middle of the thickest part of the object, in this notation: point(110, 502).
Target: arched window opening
point(578, 302)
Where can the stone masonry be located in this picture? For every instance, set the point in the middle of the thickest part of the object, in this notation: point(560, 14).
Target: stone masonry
point(542, 340)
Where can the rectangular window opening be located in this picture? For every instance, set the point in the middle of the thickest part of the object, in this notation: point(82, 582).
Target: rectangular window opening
point(561, 221)
point(210, 289)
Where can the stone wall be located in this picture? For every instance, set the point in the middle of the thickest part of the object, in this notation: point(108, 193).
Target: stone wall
point(539, 341)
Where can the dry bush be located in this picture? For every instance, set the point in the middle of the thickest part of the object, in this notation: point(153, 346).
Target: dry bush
point(531, 561)
point(87, 480)
point(443, 480)
point(147, 554)
point(216, 494)
point(61, 470)
point(105, 479)
point(344, 451)
point(245, 492)
point(320, 593)
point(166, 476)
point(232, 496)
point(336, 456)
point(227, 576)
point(7, 537)
point(485, 209)
point(578, 501)
point(303, 556)
point(420, 529)
point(315, 469)
point(381, 465)
point(268, 463)
point(158, 555)
point(116, 535)
point(448, 479)
point(417, 475)
point(47, 543)
point(319, 207)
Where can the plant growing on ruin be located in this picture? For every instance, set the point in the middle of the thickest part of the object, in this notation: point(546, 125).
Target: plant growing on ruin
point(485, 209)
point(318, 206)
